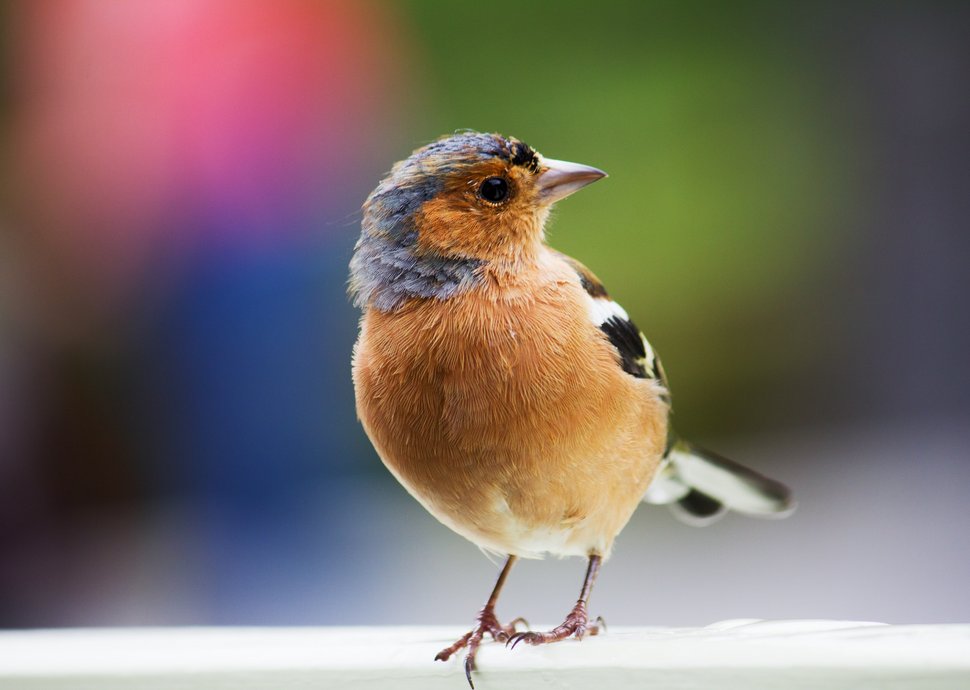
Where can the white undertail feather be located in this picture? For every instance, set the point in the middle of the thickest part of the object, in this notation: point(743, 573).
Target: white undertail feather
point(689, 470)
point(667, 486)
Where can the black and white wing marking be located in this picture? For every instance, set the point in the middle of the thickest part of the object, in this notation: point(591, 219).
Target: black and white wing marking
point(636, 356)
point(698, 485)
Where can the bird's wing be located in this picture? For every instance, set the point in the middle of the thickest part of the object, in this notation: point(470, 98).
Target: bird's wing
point(698, 485)
point(636, 357)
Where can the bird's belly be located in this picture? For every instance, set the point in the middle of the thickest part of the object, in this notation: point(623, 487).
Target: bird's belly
point(511, 433)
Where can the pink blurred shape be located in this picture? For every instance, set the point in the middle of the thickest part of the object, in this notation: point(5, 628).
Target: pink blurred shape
point(141, 129)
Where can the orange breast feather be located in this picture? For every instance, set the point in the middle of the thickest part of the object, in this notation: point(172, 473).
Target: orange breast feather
point(505, 413)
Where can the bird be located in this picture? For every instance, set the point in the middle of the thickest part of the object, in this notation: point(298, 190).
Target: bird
point(503, 387)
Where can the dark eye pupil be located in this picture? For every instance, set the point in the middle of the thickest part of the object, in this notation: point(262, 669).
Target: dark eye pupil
point(494, 189)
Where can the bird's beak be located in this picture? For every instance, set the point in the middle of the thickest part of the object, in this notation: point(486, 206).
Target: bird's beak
point(559, 179)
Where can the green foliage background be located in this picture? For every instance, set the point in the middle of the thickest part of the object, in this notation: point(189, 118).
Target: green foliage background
point(730, 182)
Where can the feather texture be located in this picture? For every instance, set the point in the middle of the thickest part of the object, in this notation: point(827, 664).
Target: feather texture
point(506, 413)
point(695, 482)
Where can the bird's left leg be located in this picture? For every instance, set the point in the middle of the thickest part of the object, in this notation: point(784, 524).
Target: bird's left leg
point(485, 622)
point(577, 622)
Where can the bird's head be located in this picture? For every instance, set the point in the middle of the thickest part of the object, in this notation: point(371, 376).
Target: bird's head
point(453, 206)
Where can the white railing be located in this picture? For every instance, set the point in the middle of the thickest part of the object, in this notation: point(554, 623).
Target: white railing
point(753, 655)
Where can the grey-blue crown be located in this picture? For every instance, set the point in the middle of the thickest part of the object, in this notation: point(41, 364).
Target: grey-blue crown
point(386, 269)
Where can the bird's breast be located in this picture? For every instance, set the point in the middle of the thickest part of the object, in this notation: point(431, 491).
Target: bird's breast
point(508, 417)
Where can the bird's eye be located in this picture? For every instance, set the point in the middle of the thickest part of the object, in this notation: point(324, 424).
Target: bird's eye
point(494, 190)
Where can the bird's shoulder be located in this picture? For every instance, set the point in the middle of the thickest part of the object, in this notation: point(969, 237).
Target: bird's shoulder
point(636, 356)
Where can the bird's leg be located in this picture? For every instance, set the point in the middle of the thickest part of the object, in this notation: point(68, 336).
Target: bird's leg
point(577, 622)
point(485, 622)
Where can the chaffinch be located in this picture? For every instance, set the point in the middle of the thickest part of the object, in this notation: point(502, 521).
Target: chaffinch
point(502, 386)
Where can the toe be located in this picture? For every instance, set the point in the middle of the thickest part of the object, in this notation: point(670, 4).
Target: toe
point(527, 637)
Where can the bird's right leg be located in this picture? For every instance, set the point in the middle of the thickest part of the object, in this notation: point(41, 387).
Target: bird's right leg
point(485, 622)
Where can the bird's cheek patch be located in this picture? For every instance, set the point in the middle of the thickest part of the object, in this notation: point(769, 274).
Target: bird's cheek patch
point(448, 227)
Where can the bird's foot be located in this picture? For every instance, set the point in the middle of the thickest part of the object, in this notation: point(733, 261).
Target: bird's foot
point(485, 622)
point(577, 624)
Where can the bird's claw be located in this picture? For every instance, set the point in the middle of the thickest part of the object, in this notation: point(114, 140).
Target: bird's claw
point(486, 622)
point(510, 629)
point(576, 624)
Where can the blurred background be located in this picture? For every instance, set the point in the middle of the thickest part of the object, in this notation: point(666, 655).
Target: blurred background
point(786, 218)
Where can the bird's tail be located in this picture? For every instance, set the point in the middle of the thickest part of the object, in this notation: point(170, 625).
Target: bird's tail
point(701, 486)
